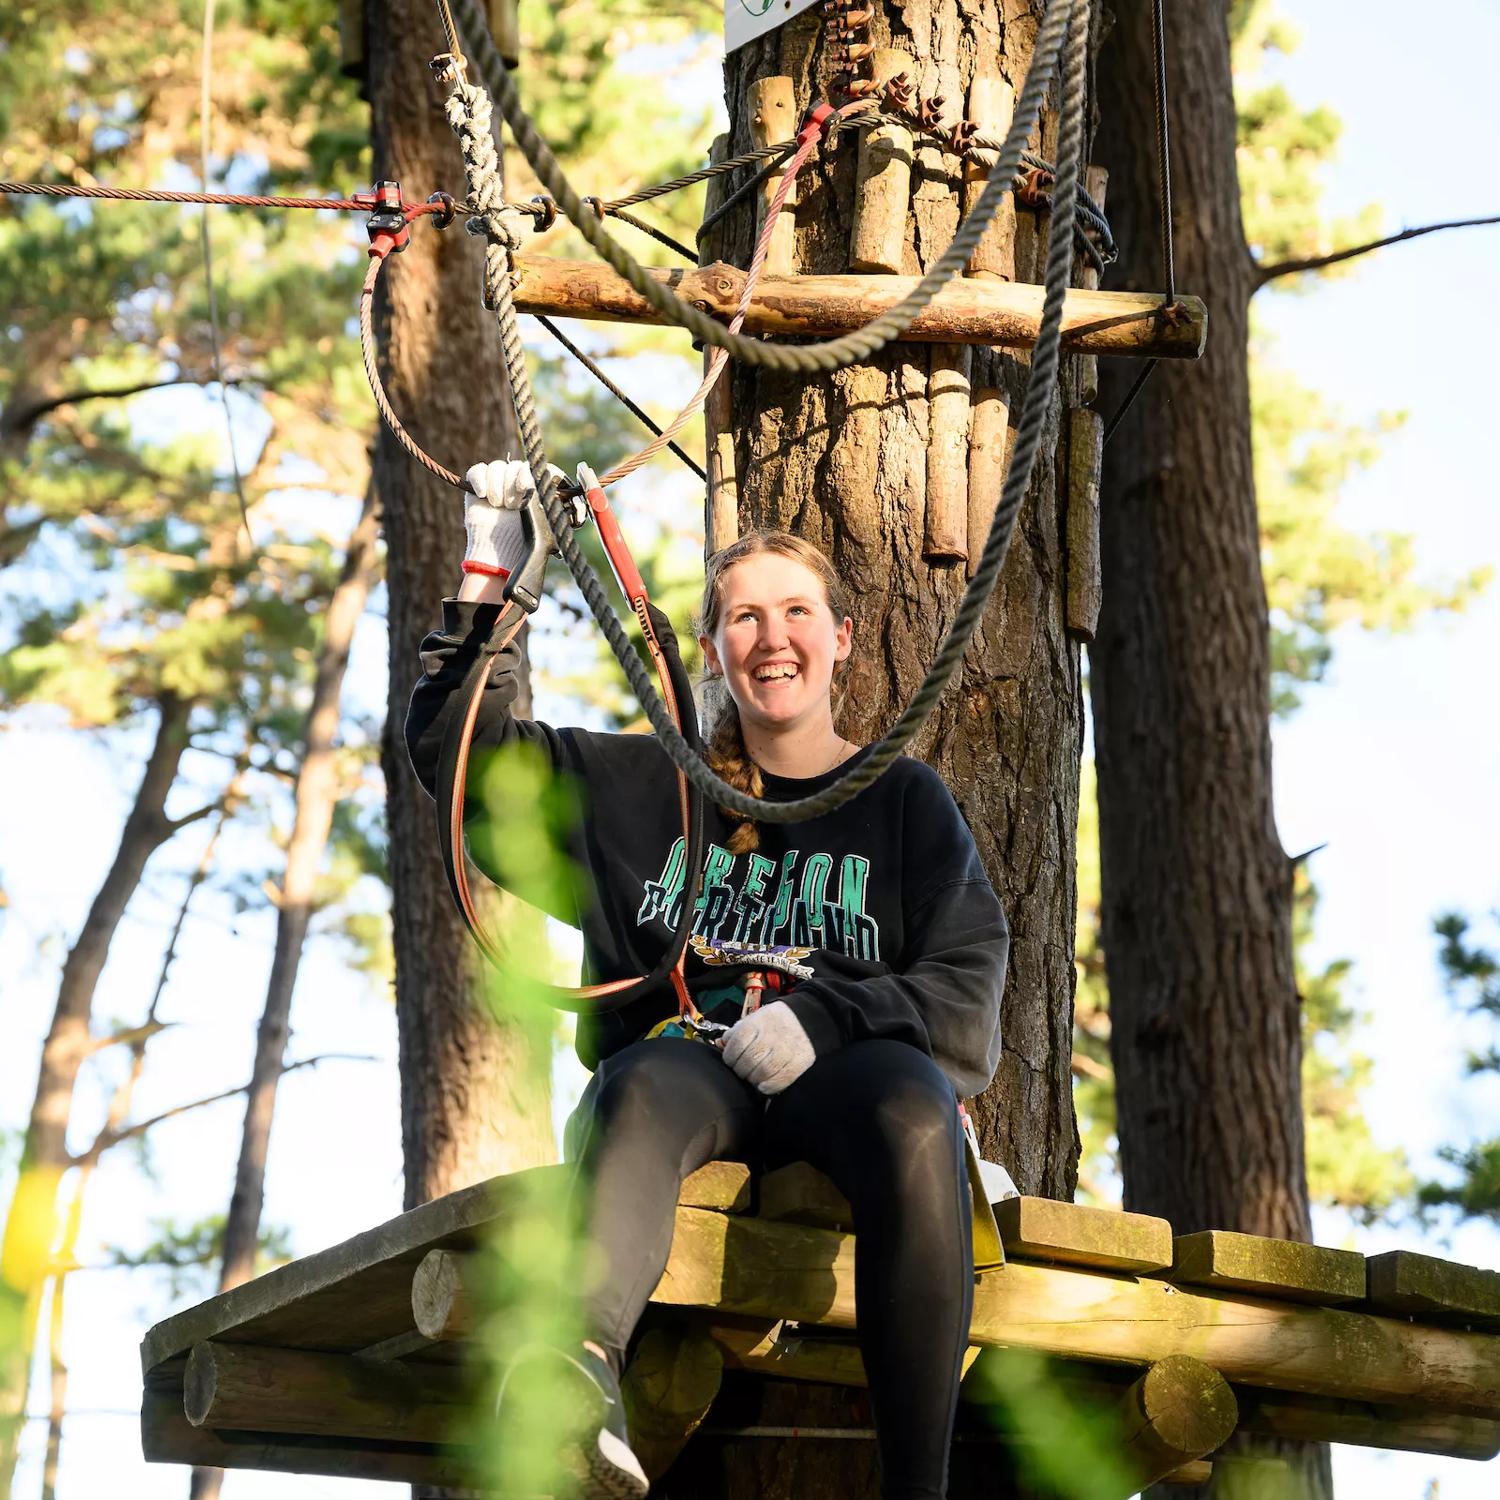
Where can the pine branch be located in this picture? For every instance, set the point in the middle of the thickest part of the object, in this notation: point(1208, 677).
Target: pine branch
point(30, 415)
point(1263, 274)
point(1085, 1067)
point(107, 1140)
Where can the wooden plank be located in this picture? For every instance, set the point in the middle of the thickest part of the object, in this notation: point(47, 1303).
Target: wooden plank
point(245, 1388)
point(1179, 1411)
point(1282, 1269)
point(1074, 1234)
point(968, 310)
point(799, 1194)
point(354, 1294)
point(1438, 1291)
point(721, 1185)
point(773, 118)
point(753, 1268)
point(168, 1437)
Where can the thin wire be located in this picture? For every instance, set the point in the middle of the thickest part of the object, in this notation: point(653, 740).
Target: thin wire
point(161, 195)
point(615, 391)
point(205, 107)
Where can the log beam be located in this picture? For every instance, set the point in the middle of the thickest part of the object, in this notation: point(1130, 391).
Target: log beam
point(752, 1268)
point(244, 1388)
point(1179, 1411)
point(968, 310)
point(669, 1386)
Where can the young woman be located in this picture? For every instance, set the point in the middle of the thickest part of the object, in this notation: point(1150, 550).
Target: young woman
point(887, 934)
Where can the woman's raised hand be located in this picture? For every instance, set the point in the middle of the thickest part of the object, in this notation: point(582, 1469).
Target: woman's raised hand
point(495, 540)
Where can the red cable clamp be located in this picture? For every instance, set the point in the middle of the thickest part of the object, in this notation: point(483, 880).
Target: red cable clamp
point(388, 226)
point(817, 116)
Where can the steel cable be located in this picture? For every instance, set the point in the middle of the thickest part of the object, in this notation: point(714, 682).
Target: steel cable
point(1056, 29)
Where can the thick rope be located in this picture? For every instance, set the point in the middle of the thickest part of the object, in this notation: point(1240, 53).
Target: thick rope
point(1044, 366)
point(833, 354)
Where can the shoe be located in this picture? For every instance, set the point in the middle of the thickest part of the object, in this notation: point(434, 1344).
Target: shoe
point(595, 1445)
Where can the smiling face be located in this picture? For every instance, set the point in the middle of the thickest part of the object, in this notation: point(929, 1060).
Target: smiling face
point(776, 642)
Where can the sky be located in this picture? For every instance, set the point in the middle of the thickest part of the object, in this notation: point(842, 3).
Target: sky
point(1391, 765)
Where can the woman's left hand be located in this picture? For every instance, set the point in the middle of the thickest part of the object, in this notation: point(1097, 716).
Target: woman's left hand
point(769, 1048)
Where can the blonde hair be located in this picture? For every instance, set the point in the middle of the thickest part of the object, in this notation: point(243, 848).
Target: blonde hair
point(725, 737)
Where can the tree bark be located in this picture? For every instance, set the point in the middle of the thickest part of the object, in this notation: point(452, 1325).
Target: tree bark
point(316, 794)
point(1197, 891)
point(474, 1093)
point(843, 460)
point(31, 1222)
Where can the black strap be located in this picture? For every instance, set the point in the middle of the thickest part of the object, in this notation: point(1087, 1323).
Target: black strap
point(455, 749)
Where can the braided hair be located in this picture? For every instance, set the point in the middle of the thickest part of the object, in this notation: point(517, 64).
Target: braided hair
point(721, 716)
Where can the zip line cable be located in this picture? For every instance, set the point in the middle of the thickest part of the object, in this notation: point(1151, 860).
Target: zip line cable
point(1063, 21)
point(205, 116)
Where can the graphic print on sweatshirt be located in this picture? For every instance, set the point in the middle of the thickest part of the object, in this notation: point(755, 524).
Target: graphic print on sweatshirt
point(799, 901)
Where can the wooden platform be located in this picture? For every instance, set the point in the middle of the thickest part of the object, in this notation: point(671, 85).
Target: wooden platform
point(349, 1362)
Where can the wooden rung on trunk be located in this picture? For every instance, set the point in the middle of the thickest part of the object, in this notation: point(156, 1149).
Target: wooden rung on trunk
point(968, 310)
point(773, 117)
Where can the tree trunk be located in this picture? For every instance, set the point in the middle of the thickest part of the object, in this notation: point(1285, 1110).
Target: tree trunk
point(316, 795)
point(1197, 892)
point(854, 462)
point(474, 1093)
point(31, 1224)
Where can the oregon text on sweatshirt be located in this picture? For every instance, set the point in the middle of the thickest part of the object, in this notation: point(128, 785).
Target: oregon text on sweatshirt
point(879, 912)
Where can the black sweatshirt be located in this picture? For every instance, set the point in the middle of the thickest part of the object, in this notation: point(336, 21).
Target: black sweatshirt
point(879, 912)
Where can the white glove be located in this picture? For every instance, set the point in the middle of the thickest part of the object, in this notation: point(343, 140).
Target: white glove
point(769, 1048)
point(495, 536)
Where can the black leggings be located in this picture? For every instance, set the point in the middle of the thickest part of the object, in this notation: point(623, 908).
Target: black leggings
point(881, 1120)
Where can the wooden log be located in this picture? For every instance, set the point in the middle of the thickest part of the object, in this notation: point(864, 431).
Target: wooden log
point(721, 513)
point(1086, 378)
point(1267, 1267)
point(1438, 1291)
point(1085, 584)
point(946, 521)
point(969, 310)
point(1366, 1424)
point(992, 103)
point(989, 452)
point(882, 182)
point(442, 1302)
point(168, 1437)
point(669, 1385)
point(1074, 1234)
point(1178, 1411)
point(241, 1387)
point(505, 28)
point(749, 1267)
point(773, 118)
